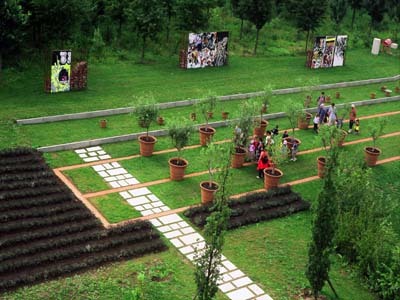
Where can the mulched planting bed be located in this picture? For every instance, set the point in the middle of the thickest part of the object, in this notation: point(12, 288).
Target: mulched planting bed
point(254, 207)
point(45, 232)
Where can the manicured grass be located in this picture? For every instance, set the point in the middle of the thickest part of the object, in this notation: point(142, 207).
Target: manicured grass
point(86, 180)
point(77, 130)
point(118, 280)
point(114, 208)
point(113, 84)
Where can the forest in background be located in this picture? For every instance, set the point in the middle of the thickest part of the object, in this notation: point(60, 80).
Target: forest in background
point(145, 29)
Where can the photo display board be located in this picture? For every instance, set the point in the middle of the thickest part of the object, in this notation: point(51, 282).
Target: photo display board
point(329, 51)
point(207, 49)
point(60, 71)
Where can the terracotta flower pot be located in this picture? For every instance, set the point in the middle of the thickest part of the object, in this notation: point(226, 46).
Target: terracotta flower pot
point(160, 120)
point(388, 93)
point(397, 89)
point(193, 116)
point(210, 114)
point(343, 134)
point(207, 191)
point(177, 167)
point(371, 155)
point(337, 95)
point(304, 121)
point(225, 115)
point(103, 123)
point(259, 131)
point(289, 141)
point(328, 99)
point(271, 178)
point(205, 135)
point(383, 88)
point(147, 145)
point(321, 161)
point(238, 158)
point(372, 95)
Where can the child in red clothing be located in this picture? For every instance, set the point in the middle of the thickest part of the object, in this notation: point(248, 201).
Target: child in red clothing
point(263, 163)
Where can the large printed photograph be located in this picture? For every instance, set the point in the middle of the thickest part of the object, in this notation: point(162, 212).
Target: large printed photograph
point(329, 51)
point(207, 49)
point(60, 71)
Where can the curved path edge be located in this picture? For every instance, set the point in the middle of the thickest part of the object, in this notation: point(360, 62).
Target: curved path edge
point(125, 110)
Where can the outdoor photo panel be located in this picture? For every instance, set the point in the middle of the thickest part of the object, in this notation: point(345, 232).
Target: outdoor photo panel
point(60, 71)
point(340, 48)
point(207, 49)
point(328, 51)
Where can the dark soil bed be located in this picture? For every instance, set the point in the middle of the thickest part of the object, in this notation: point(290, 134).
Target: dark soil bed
point(45, 232)
point(254, 207)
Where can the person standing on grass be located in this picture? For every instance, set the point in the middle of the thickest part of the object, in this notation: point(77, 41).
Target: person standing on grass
point(321, 99)
point(316, 122)
point(353, 117)
point(263, 163)
point(332, 114)
point(322, 113)
point(294, 150)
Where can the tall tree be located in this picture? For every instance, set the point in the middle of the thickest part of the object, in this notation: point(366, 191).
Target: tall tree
point(147, 17)
point(116, 10)
point(376, 10)
point(239, 10)
point(307, 15)
point(191, 15)
point(325, 223)
point(338, 11)
point(259, 12)
point(12, 20)
point(355, 5)
point(170, 7)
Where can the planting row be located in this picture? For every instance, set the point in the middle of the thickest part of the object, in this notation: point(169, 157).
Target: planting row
point(254, 207)
point(46, 232)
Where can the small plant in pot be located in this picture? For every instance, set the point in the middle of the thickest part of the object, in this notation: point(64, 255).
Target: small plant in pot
point(292, 111)
point(213, 155)
point(179, 132)
point(206, 107)
point(341, 113)
point(241, 133)
point(375, 131)
point(260, 125)
point(146, 111)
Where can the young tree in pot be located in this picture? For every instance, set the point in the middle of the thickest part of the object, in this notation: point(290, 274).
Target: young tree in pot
point(272, 175)
point(213, 155)
point(206, 107)
point(292, 110)
point(146, 111)
point(261, 124)
point(342, 112)
point(375, 131)
point(179, 132)
point(329, 136)
point(241, 133)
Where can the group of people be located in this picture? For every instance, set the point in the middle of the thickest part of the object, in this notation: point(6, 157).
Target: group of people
point(260, 149)
point(328, 115)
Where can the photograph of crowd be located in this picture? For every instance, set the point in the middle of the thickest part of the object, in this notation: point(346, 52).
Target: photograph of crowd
point(208, 49)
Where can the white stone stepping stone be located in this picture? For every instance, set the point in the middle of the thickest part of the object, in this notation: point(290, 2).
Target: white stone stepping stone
point(191, 238)
point(99, 168)
point(115, 184)
point(80, 151)
point(139, 192)
point(90, 159)
point(83, 155)
point(226, 287)
point(132, 181)
point(177, 243)
point(155, 222)
point(240, 294)
point(125, 195)
point(104, 156)
point(112, 178)
point(138, 201)
point(256, 289)
point(116, 165)
point(265, 297)
point(103, 174)
point(170, 219)
point(118, 171)
point(147, 212)
point(242, 282)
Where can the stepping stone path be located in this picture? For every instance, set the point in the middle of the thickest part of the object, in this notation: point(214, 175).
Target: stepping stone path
point(233, 282)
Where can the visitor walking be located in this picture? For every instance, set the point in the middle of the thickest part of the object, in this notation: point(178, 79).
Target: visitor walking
point(352, 118)
point(321, 99)
point(295, 147)
point(332, 114)
point(263, 163)
point(316, 122)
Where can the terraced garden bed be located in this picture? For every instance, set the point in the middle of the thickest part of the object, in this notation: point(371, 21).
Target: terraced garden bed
point(254, 207)
point(46, 232)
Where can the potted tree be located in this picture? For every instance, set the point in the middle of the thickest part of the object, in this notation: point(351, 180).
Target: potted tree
point(241, 133)
point(292, 110)
point(329, 137)
point(146, 111)
point(272, 175)
point(375, 131)
point(341, 114)
point(260, 123)
point(206, 107)
point(179, 132)
point(213, 155)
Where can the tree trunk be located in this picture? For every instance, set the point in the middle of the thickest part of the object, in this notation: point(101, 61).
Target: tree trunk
point(256, 44)
point(119, 29)
point(308, 36)
point(241, 29)
point(143, 48)
point(353, 18)
point(332, 288)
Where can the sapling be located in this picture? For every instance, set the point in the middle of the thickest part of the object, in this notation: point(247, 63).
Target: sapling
point(207, 106)
point(292, 111)
point(146, 111)
point(376, 129)
point(212, 154)
point(179, 132)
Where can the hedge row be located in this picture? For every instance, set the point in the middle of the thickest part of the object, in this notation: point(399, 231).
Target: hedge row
point(35, 275)
point(254, 207)
point(4, 178)
point(35, 201)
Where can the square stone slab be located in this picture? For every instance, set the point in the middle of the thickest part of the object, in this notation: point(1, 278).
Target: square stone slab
point(97, 148)
point(174, 218)
point(177, 243)
point(191, 238)
point(139, 192)
point(90, 159)
point(138, 201)
point(155, 222)
point(265, 297)
point(226, 287)
point(240, 294)
point(105, 156)
point(99, 168)
point(242, 281)
point(79, 151)
point(256, 289)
